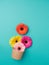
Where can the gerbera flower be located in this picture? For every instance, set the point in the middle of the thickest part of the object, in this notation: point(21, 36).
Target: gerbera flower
point(27, 41)
point(19, 47)
point(14, 40)
point(22, 28)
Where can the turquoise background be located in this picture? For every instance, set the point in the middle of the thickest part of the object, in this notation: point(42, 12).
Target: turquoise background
point(34, 13)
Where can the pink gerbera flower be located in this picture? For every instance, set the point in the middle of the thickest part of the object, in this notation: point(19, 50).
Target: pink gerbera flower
point(27, 41)
point(19, 47)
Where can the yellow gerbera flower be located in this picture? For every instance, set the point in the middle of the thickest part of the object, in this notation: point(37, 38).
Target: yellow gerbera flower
point(14, 40)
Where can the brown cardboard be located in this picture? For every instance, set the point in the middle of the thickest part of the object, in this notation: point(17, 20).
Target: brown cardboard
point(16, 54)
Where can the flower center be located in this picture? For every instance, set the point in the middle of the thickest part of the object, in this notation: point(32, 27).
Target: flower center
point(26, 41)
point(19, 48)
point(16, 41)
point(21, 28)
